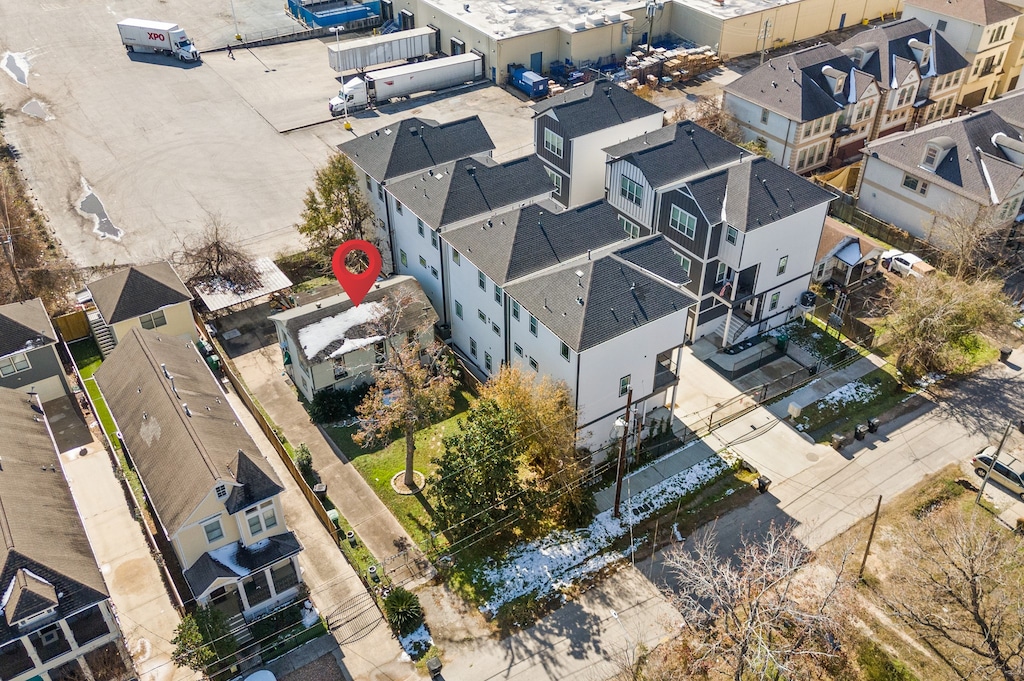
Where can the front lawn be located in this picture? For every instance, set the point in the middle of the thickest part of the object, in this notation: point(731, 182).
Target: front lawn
point(87, 356)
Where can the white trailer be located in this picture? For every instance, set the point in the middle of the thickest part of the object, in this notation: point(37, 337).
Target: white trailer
point(142, 35)
point(377, 87)
point(361, 53)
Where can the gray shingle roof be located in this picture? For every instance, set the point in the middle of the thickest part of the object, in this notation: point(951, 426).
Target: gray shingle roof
point(514, 244)
point(755, 194)
point(24, 326)
point(1009, 107)
point(974, 166)
point(205, 571)
point(137, 290)
point(616, 293)
point(981, 12)
point(41, 530)
point(418, 314)
point(892, 40)
point(461, 190)
point(415, 144)
point(793, 84)
point(595, 106)
point(676, 152)
point(180, 457)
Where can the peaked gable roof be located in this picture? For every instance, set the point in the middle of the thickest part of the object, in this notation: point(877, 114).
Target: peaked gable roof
point(595, 106)
point(464, 189)
point(180, 455)
point(835, 236)
point(24, 326)
point(793, 85)
point(1009, 107)
point(889, 44)
point(754, 194)
point(137, 290)
point(526, 240)
point(591, 302)
point(414, 144)
point(973, 165)
point(979, 12)
point(45, 556)
point(676, 152)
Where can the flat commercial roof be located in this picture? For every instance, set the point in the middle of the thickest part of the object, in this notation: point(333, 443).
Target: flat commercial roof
point(504, 19)
point(732, 8)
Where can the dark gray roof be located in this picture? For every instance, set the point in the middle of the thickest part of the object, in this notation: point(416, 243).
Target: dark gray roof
point(1010, 108)
point(755, 194)
point(890, 43)
point(418, 314)
point(618, 294)
point(530, 239)
point(676, 152)
point(461, 190)
point(205, 571)
point(974, 165)
point(24, 326)
point(980, 12)
point(45, 555)
point(595, 106)
point(793, 84)
point(180, 457)
point(415, 144)
point(137, 290)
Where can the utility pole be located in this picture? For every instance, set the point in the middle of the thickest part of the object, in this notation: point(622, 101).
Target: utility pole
point(7, 239)
point(765, 32)
point(995, 457)
point(622, 455)
point(871, 536)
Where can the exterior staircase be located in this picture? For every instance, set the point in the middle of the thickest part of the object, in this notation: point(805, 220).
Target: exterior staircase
point(101, 332)
point(239, 629)
point(737, 327)
point(390, 27)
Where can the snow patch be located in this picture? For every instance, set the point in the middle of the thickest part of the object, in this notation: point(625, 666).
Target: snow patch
point(319, 335)
point(417, 643)
point(15, 65)
point(855, 391)
point(676, 534)
point(228, 555)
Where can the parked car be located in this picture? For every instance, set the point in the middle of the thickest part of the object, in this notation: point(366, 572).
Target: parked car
point(1007, 472)
point(908, 264)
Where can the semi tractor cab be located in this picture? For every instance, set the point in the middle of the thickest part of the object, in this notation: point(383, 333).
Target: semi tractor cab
point(141, 35)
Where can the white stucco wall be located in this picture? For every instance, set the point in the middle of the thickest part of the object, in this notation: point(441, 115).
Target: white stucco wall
point(779, 132)
point(588, 157)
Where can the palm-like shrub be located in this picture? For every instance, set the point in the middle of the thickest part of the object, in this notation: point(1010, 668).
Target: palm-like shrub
point(403, 610)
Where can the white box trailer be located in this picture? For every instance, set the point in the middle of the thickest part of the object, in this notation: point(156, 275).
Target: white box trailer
point(142, 35)
point(361, 53)
point(378, 87)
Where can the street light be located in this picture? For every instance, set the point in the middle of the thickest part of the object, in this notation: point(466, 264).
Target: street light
point(336, 30)
point(238, 36)
point(622, 430)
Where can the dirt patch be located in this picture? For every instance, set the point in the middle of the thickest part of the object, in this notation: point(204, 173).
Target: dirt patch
point(451, 618)
point(323, 668)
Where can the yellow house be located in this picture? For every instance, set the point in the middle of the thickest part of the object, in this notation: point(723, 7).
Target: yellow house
point(142, 296)
point(214, 494)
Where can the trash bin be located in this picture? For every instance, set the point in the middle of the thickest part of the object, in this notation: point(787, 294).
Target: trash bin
point(334, 517)
point(762, 484)
point(351, 536)
point(434, 667)
point(782, 341)
point(1004, 353)
point(861, 431)
point(873, 425)
point(320, 490)
point(838, 441)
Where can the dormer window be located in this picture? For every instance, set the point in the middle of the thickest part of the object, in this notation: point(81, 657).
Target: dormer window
point(836, 79)
point(922, 52)
point(222, 491)
point(931, 153)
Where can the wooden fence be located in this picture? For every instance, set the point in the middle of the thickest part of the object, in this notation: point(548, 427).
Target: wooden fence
point(73, 326)
point(880, 229)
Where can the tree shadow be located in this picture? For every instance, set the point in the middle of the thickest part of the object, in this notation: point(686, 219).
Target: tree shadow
point(982, 402)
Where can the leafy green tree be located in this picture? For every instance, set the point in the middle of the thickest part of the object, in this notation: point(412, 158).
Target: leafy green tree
point(477, 483)
point(190, 648)
point(334, 208)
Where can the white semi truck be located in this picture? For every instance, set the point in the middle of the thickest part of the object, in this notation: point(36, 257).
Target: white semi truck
point(377, 87)
point(350, 55)
point(141, 35)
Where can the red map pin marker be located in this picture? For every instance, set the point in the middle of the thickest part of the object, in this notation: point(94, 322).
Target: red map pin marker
point(356, 285)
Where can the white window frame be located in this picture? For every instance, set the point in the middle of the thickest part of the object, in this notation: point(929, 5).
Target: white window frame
point(472, 346)
point(685, 263)
point(481, 280)
point(682, 222)
point(515, 310)
point(265, 516)
point(154, 319)
point(624, 383)
point(774, 301)
point(533, 325)
point(220, 528)
point(556, 180)
point(732, 234)
point(564, 351)
point(518, 349)
point(783, 264)
point(14, 364)
point(458, 309)
point(631, 190)
point(456, 258)
point(633, 230)
point(722, 273)
point(553, 142)
point(534, 365)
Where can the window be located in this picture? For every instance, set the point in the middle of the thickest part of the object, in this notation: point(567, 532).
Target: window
point(682, 221)
point(481, 280)
point(565, 352)
point(433, 238)
point(472, 346)
point(497, 294)
point(783, 261)
point(631, 191)
point(458, 309)
point(423, 261)
point(398, 206)
point(998, 34)
point(433, 272)
point(775, 301)
point(214, 532)
point(222, 491)
point(731, 234)
point(930, 154)
point(496, 329)
point(380, 192)
point(629, 228)
point(817, 126)
point(905, 95)
point(12, 364)
point(369, 182)
point(403, 258)
point(487, 361)
point(419, 226)
point(684, 262)
point(154, 320)
point(940, 25)
point(515, 310)
point(533, 364)
point(518, 349)
point(764, 115)
point(821, 152)
point(556, 180)
point(624, 385)
point(722, 271)
point(261, 517)
point(481, 316)
point(801, 159)
point(1009, 209)
point(533, 325)
point(456, 258)
point(553, 143)
point(807, 129)
point(915, 185)
point(340, 370)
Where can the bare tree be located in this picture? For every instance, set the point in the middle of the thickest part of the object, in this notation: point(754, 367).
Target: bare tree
point(969, 239)
point(413, 382)
point(708, 113)
point(959, 586)
point(214, 257)
point(767, 613)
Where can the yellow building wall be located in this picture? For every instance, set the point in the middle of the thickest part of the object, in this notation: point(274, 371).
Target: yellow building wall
point(191, 538)
point(179, 323)
point(519, 49)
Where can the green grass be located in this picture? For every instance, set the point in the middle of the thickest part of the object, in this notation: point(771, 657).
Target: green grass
point(292, 638)
point(821, 419)
point(313, 284)
point(102, 411)
point(877, 665)
point(87, 356)
point(378, 467)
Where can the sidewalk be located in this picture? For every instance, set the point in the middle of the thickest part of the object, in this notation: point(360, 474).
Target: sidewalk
point(143, 607)
point(654, 473)
point(826, 383)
